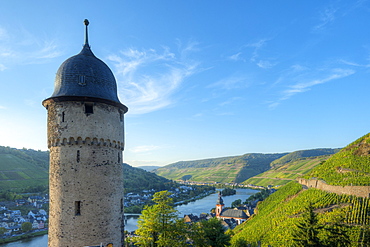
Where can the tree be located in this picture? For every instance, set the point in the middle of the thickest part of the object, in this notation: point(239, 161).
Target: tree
point(26, 226)
point(2, 230)
point(159, 225)
point(209, 233)
point(236, 203)
point(335, 235)
point(310, 233)
point(307, 230)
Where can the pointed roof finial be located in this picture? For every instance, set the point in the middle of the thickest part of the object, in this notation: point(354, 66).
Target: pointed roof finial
point(86, 21)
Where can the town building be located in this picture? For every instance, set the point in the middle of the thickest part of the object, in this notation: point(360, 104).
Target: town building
point(86, 139)
point(234, 214)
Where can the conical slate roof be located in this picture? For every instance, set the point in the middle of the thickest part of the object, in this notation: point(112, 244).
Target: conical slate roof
point(85, 75)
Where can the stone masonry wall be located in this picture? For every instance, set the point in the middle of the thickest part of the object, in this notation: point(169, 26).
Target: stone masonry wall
point(361, 191)
point(86, 176)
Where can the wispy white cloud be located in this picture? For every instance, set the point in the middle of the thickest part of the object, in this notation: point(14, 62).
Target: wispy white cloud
point(256, 47)
point(304, 83)
point(327, 16)
point(261, 62)
point(230, 101)
point(2, 67)
point(2, 107)
point(354, 64)
point(22, 47)
point(144, 148)
point(148, 79)
point(232, 82)
point(198, 115)
point(236, 57)
point(265, 64)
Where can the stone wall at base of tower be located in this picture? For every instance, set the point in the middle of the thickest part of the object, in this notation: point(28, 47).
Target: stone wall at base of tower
point(86, 176)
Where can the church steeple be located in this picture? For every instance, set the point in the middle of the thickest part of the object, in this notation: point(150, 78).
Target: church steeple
point(219, 204)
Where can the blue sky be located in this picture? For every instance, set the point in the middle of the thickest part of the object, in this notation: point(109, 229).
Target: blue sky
point(201, 79)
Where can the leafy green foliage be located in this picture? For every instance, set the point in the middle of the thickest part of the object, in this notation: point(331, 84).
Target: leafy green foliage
point(26, 226)
point(211, 233)
point(136, 179)
point(158, 224)
point(350, 166)
point(262, 195)
point(228, 192)
point(236, 203)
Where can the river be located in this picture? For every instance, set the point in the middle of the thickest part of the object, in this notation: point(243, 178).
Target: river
point(203, 205)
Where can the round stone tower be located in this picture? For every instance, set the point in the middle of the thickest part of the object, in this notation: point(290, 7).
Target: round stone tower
point(86, 140)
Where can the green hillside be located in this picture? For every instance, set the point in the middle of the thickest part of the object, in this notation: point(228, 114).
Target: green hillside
point(303, 154)
point(277, 216)
point(349, 166)
point(137, 179)
point(240, 168)
point(23, 168)
point(223, 170)
point(26, 169)
point(283, 174)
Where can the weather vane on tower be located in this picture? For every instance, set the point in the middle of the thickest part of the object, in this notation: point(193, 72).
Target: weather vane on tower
point(86, 21)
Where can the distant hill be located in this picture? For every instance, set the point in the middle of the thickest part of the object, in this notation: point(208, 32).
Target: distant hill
point(148, 168)
point(226, 169)
point(137, 179)
point(23, 168)
point(303, 154)
point(27, 169)
point(277, 216)
point(350, 166)
point(240, 168)
point(290, 166)
point(283, 174)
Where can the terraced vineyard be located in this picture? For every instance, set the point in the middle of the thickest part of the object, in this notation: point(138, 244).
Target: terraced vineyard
point(351, 166)
point(23, 168)
point(223, 170)
point(283, 174)
point(274, 224)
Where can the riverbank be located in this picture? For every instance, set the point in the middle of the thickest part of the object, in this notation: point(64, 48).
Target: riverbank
point(197, 207)
point(23, 236)
point(136, 209)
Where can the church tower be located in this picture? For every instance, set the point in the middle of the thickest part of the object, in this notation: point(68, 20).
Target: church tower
point(219, 205)
point(86, 140)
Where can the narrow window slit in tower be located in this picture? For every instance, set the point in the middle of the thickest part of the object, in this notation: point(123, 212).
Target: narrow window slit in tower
point(63, 114)
point(77, 207)
point(121, 205)
point(121, 116)
point(78, 156)
point(89, 108)
point(119, 158)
